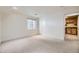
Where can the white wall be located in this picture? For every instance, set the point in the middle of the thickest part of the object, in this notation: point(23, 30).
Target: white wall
point(14, 26)
point(53, 27)
point(0, 29)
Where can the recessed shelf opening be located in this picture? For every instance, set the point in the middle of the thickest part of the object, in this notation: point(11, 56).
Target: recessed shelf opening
point(71, 27)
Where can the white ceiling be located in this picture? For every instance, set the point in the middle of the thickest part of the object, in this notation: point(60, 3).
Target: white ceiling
point(39, 10)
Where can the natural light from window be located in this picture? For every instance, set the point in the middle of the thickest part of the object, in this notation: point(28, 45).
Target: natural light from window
point(31, 24)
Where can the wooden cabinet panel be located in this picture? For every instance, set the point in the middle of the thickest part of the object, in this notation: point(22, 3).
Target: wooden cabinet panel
point(71, 30)
point(71, 25)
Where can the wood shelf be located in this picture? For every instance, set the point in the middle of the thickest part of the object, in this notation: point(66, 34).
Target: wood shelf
point(71, 25)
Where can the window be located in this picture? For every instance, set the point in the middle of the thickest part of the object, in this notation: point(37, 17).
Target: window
point(31, 24)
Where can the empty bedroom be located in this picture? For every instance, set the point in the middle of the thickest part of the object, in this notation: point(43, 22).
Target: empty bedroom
point(39, 29)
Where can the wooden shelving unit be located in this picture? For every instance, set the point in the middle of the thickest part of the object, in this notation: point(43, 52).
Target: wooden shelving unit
point(71, 25)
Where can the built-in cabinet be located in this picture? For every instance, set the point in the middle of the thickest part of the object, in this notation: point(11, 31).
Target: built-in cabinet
point(71, 27)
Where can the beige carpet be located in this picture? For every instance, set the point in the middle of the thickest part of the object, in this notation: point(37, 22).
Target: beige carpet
point(39, 44)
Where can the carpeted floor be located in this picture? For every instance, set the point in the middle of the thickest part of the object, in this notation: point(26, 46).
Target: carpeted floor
point(39, 44)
